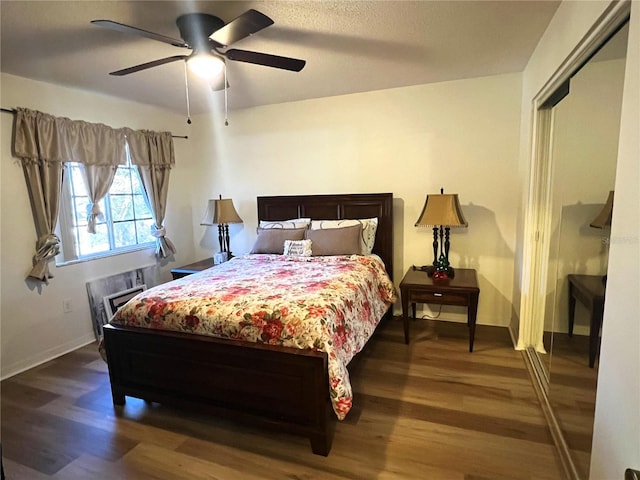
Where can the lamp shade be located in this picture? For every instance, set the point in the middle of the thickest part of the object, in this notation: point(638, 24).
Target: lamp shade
point(220, 211)
point(603, 220)
point(441, 209)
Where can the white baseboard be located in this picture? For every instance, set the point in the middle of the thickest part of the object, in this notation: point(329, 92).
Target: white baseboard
point(45, 356)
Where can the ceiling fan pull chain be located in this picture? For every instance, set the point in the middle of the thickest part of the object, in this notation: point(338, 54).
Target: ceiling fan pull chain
point(226, 110)
point(186, 87)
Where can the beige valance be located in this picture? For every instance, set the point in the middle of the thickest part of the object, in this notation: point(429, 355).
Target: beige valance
point(150, 148)
point(43, 137)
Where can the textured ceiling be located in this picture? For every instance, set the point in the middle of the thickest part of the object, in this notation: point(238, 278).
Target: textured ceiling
point(349, 46)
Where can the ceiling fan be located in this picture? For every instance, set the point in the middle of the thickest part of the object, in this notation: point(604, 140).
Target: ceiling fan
point(208, 37)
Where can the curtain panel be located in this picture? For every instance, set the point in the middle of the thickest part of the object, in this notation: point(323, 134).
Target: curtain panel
point(152, 153)
point(44, 143)
point(97, 180)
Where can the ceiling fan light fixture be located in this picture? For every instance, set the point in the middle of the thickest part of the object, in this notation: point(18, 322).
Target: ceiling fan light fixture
point(205, 65)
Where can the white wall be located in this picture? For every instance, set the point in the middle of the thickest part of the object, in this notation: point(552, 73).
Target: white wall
point(33, 325)
point(616, 440)
point(460, 135)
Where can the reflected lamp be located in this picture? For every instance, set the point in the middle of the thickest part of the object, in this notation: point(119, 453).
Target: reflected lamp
point(603, 221)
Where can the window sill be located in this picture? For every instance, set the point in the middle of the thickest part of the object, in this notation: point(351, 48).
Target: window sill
point(110, 253)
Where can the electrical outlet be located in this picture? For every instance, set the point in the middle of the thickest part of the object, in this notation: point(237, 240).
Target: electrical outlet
point(67, 305)
point(604, 241)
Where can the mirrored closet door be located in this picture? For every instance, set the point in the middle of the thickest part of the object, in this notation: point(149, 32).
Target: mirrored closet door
point(583, 153)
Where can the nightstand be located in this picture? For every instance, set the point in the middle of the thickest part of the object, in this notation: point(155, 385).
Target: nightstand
point(191, 268)
point(462, 290)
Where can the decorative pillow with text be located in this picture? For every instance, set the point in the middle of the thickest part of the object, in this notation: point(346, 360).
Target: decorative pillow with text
point(297, 248)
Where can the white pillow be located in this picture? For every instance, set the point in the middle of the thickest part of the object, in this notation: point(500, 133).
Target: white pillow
point(297, 248)
point(369, 227)
point(294, 223)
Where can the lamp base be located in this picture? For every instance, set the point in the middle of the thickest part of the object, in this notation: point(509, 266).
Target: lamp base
point(431, 269)
point(449, 273)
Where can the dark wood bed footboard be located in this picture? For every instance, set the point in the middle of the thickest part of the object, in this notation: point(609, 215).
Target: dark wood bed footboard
point(269, 386)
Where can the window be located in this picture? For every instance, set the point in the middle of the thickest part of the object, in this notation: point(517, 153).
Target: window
point(125, 224)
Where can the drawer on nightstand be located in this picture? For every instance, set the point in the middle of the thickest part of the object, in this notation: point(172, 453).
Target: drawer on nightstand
point(435, 297)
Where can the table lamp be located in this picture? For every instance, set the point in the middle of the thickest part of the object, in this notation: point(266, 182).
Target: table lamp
point(441, 211)
point(603, 220)
point(221, 212)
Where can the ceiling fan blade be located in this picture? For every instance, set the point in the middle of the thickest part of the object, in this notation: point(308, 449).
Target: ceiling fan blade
point(275, 61)
point(246, 24)
point(144, 66)
point(121, 27)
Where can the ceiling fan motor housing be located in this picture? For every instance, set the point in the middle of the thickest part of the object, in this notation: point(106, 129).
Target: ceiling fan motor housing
point(195, 29)
point(207, 34)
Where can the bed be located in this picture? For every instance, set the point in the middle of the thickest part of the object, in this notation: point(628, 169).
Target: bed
point(268, 385)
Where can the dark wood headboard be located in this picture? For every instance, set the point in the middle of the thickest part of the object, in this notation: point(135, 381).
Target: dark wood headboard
point(338, 207)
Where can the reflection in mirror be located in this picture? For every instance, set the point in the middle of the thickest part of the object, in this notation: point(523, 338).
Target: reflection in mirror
point(584, 152)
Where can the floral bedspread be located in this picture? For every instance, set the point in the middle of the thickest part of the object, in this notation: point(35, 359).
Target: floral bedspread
point(331, 304)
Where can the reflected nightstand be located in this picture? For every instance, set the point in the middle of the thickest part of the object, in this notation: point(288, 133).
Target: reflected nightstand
point(590, 290)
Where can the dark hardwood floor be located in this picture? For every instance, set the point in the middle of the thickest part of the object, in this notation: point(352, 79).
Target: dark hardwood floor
point(428, 410)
